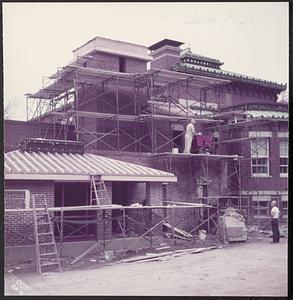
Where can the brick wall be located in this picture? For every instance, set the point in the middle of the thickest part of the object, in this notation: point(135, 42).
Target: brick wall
point(104, 224)
point(154, 196)
point(34, 186)
point(143, 159)
point(19, 224)
point(135, 65)
point(16, 131)
point(111, 62)
point(272, 182)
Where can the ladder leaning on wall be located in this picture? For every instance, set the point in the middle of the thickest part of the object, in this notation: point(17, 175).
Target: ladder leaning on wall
point(45, 245)
point(98, 193)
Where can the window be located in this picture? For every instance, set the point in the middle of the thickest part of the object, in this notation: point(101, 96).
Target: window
point(260, 157)
point(261, 206)
point(283, 146)
point(284, 202)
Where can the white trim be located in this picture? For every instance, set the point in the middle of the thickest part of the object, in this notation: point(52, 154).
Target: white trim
point(140, 178)
point(262, 175)
point(27, 199)
point(283, 134)
point(256, 134)
point(61, 177)
point(283, 175)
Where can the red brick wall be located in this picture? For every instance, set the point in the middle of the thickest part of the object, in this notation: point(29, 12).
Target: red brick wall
point(16, 131)
point(111, 62)
point(34, 186)
point(274, 181)
point(164, 62)
point(135, 65)
point(19, 224)
point(104, 224)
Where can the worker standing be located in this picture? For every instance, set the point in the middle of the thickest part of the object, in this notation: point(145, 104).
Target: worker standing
point(275, 222)
point(189, 135)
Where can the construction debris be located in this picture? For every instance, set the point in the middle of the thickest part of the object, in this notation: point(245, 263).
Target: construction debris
point(178, 230)
point(163, 248)
point(167, 255)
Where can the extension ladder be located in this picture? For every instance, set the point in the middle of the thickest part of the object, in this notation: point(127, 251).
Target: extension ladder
point(46, 249)
point(98, 194)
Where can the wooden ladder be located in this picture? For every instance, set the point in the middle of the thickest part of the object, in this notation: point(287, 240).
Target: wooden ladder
point(46, 249)
point(98, 194)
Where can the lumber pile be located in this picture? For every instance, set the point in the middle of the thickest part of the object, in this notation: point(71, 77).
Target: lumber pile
point(149, 257)
point(177, 232)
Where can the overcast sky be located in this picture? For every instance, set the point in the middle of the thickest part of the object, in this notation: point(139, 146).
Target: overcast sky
point(251, 38)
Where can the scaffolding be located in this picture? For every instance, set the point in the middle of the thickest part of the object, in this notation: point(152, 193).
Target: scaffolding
point(138, 112)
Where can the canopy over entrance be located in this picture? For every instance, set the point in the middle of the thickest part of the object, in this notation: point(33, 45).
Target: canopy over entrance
point(23, 165)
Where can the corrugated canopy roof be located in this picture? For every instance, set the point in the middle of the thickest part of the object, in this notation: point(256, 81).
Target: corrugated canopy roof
point(76, 167)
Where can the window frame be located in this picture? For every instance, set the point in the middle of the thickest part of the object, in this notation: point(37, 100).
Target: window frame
point(256, 157)
point(284, 200)
point(282, 174)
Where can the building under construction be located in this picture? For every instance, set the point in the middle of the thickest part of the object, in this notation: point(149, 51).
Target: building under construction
point(104, 138)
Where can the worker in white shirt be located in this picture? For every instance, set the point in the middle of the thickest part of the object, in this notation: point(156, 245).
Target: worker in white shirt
point(189, 135)
point(275, 213)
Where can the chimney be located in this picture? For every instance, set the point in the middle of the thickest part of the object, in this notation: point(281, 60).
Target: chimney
point(165, 54)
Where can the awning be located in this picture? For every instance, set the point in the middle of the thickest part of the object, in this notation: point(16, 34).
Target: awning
point(76, 167)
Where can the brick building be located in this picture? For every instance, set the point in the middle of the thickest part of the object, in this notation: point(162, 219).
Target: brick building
point(132, 103)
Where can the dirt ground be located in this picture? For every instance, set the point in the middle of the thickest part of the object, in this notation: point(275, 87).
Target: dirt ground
point(254, 268)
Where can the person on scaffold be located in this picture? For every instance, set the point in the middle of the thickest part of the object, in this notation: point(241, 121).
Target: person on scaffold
point(189, 135)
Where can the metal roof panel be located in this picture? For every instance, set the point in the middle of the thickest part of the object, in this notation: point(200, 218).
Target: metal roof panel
point(42, 165)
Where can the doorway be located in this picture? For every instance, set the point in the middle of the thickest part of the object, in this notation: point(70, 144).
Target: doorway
point(78, 224)
point(120, 195)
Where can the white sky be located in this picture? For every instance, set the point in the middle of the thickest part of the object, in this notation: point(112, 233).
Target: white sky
point(251, 38)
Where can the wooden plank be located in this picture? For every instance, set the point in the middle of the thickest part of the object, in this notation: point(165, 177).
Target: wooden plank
point(201, 205)
point(178, 230)
point(199, 250)
point(156, 259)
point(163, 248)
point(147, 256)
point(170, 255)
point(177, 236)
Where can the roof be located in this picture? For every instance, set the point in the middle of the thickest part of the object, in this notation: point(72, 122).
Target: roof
point(165, 42)
point(24, 165)
point(266, 114)
point(188, 53)
point(101, 44)
point(206, 71)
